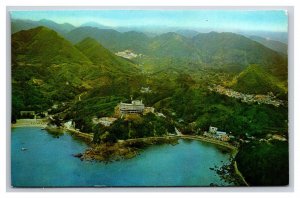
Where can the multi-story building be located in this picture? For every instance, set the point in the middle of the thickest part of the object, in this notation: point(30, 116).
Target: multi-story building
point(136, 106)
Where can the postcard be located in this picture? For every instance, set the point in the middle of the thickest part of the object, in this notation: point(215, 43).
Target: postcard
point(149, 98)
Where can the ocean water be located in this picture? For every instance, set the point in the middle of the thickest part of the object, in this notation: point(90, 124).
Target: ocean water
point(48, 162)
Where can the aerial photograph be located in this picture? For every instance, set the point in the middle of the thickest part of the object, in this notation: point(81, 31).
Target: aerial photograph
point(149, 98)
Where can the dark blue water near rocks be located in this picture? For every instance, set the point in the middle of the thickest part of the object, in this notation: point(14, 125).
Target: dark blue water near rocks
point(41, 159)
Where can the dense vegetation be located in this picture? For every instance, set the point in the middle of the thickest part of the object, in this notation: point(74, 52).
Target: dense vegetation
point(102, 57)
point(204, 108)
point(264, 164)
point(48, 70)
point(251, 79)
point(223, 51)
point(42, 77)
point(87, 80)
point(134, 126)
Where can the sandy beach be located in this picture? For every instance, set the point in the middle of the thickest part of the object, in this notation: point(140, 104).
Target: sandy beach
point(30, 123)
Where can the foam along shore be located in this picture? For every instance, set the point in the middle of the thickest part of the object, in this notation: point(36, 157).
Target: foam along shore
point(30, 123)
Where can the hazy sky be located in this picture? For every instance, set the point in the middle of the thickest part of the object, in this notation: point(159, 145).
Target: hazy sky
point(218, 20)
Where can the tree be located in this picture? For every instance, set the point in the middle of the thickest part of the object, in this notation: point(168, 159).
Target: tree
point(264, 164)
point(107, 137)
point(185, 80)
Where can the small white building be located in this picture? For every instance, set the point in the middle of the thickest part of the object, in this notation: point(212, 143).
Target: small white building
point(69, 124)
point(160, 115)
point(214, 133)
point(212, 129)
point(146, 90)
point(219, 133)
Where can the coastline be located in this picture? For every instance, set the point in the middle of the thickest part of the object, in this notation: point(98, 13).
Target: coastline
point(86, 136)
point(223, 144)
point(42, 123)
point(28, 126)
point(209, 140)
point(239, 173)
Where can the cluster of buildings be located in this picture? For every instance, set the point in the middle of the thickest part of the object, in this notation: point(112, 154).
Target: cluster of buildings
point(248, 98)
point(271, 137)
point(219, 135)
point(128, 54)
point(122, 109)
point(135, 107)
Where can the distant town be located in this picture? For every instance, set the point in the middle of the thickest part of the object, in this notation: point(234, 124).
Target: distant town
point(248, 98)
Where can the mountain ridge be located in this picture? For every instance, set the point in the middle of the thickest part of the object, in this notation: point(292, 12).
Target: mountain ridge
point(20, 24)
point(255, 80)
point(272, 44)
point(103, 57)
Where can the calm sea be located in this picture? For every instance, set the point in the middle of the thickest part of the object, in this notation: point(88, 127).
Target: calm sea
point(41, 159)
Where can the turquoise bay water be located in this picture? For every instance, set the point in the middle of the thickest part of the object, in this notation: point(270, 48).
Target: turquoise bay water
point(48, 162)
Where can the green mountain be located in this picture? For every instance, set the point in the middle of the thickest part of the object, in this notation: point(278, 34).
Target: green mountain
point(43, 45)
point(46, 69)
point(136, 41)
point(94, 24)
point(87, 80)
point(19, 24)
point(111, 39)
point(226, 52)
point(274, 45)
point(187, 33)
point(223, 51)
point(60, 28)
point(255, 80)
point(172, 45)
point(231, 51)
point(102, 57)
point(107, 37)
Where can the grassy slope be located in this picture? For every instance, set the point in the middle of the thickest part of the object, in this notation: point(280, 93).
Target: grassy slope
point(256, 80)
point(104, 58)
point(46, 69)
point(45, 46)
point(236, 52)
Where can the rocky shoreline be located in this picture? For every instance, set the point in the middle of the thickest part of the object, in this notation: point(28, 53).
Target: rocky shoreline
point(126, 149)
point(228, 173)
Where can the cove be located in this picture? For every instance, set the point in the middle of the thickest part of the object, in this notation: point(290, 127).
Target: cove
point(41, 159)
